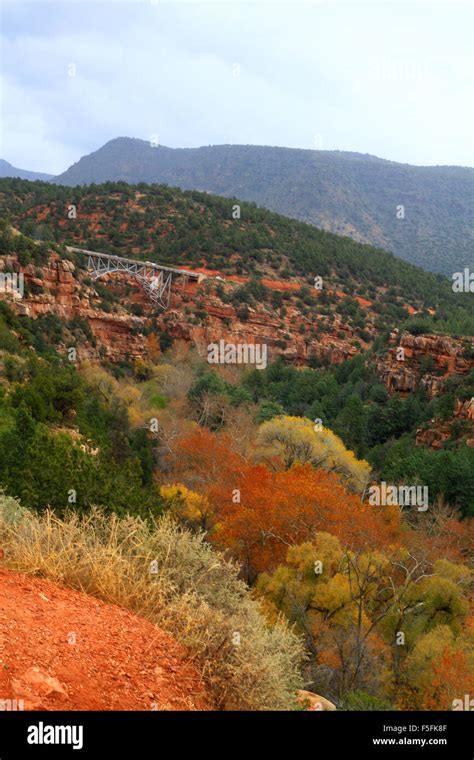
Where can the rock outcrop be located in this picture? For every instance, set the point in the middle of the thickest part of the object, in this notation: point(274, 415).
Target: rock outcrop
point(58, 288)
point(198, 314)
point(313, 702)
point(290, 337)
point(436, 433)
point(427, 360)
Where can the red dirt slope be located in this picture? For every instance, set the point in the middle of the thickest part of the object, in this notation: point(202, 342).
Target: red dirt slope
point(64, 650)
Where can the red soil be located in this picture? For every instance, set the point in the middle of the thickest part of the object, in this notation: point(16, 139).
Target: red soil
point(118, 662)
point(282, 285)
point(363, 302)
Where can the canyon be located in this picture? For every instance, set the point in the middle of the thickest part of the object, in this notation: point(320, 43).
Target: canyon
point(198, 315)
point(62, 289)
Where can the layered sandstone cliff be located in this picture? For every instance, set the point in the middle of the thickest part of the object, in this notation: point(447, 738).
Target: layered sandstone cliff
point(196, 314)
point(426, 360)
point(436, 433)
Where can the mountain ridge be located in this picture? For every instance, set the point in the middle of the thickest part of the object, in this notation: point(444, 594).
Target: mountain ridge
point(422, 214)
point(350, 154)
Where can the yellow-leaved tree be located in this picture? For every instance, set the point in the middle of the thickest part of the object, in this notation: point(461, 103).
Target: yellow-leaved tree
point(286, 441)
point(335, 598)
point(187, 505)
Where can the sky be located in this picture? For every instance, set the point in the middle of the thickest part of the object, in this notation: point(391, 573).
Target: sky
point(391, 79)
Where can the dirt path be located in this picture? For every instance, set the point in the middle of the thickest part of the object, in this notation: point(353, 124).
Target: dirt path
point(64, 650)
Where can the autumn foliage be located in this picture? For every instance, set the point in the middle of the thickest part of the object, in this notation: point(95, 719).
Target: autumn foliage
point(259, 512)
point(385, 618)
point(287, 441)
point(263, 513)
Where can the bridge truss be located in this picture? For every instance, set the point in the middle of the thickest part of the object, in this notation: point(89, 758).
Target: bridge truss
point(155, 279)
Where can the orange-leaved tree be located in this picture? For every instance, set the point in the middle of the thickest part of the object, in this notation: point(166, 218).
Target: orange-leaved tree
point(202, 458)
point(261, 513)
point(438, 670)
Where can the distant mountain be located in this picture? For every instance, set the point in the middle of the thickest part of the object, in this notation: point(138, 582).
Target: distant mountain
point(7, 170)
point(423, 214)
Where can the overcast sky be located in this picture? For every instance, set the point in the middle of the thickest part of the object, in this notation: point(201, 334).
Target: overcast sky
point(391, 79)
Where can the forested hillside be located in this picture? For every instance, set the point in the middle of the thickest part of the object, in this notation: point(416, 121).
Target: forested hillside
point(195, 229)
point(347, 193)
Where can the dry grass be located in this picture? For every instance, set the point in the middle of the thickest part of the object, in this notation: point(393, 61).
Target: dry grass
point(174, 579)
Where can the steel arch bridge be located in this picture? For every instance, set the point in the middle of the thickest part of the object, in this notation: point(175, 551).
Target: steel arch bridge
point(155, 279)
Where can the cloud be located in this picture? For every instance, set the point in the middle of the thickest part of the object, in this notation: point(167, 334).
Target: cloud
point(365, 77)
